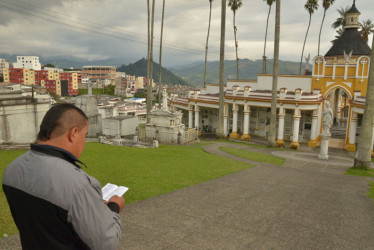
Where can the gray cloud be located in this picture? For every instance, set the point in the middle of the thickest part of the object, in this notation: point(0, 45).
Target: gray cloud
point(185, 30)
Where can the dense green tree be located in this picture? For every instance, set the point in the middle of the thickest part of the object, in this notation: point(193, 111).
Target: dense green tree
point(310, 6)
point(207, 40)
point(326, 5)
point(270, 3)
point(49, 65)
point(235, 5)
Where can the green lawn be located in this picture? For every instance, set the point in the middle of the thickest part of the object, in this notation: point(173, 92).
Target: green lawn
point(147, 172)
point(360, 172)
point(254, 156)
point(6, 221)
point(206, 142)
point(363, 172)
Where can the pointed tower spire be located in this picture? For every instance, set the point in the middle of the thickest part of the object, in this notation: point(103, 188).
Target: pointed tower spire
point(352, 21)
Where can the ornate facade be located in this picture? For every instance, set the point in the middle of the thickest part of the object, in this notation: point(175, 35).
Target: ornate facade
point(341, 76)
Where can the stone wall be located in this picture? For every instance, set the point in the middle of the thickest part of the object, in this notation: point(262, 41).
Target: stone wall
point(20, 119)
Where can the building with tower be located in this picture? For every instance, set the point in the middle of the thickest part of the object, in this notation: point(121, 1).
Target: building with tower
point(340, 77)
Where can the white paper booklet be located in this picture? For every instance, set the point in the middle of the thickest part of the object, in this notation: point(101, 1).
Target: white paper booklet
point(110, 189)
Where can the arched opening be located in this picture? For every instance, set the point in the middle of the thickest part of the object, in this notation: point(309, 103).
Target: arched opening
point(339, 99)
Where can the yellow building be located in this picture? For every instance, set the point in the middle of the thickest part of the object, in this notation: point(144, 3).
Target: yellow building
point(342, 76)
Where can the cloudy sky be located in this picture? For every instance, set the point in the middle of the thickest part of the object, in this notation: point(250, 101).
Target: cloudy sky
point(101, 29)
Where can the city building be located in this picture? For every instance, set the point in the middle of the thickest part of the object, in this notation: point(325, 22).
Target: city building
point(28, 62)
point(3, 65)
point(340, 77)
point(95, 73)
point(59, 82)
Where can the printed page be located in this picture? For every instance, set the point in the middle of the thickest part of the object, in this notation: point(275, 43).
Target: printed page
point(110, 189)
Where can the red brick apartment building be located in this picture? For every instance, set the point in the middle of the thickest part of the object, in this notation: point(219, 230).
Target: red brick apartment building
point(60, 83)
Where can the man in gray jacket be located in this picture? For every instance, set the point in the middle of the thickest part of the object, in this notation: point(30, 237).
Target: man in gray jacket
point(54, 203)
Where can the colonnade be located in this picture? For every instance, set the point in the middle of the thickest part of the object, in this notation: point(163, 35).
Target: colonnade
point(246, 124)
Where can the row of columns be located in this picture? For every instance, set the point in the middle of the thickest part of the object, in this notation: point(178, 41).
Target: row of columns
point(246, 137)
point(351, 146)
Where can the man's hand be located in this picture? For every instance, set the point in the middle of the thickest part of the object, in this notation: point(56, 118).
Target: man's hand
point(119, 200)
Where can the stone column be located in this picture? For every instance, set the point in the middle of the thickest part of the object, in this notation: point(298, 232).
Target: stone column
point(247, 111)
point(351, 147)
point(197, 113)
point(313, 133)
point(234, 134)
point(296, 123)
point(225, 117)
point(190, 118)
point(325, 137)
point(280, 140)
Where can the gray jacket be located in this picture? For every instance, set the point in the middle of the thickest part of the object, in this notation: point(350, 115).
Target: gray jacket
point(55, 204)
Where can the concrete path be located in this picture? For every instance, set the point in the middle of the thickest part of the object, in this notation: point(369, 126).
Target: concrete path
point(301, 205)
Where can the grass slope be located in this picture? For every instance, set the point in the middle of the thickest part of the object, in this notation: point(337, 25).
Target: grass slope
point(254, 156)
point(147, 172)
point(7, 225)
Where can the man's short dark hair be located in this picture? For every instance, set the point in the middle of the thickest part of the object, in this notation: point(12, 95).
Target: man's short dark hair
point(59, 119)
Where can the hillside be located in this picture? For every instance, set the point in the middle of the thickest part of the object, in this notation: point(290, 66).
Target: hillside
point(248, 70)
point(139, 68)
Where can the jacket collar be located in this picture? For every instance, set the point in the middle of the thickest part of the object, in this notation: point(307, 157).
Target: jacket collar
point(57, 152)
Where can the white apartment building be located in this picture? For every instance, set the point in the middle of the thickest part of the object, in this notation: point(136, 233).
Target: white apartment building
point(3, 65)
point(27, 62)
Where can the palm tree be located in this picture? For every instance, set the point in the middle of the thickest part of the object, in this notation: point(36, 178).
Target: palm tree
point(270, 3)
point(310, 6)
point(235, 5)
point(150, 79)
point(149, 99)
point(365, 143)
point(220, 132)
point(160, 59)
point(366, 28)
point(326, 4)
point(340, 22)
point(339, 32)
point(207, 39)
point(273, 115)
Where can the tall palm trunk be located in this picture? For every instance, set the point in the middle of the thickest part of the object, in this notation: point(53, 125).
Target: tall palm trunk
point(266, 35)
point(221, 71)
point(236, 49)
point(160, 61)
point(306, 35)
point(207, 39)
point(320, 31)
point(273, 115)
point(150, 80)
point(149, 100)
point(365, 141)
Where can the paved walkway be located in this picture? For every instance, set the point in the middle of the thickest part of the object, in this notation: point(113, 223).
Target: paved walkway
point(305, 204)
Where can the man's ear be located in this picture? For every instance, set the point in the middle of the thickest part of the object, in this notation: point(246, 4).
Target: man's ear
point(73, 134)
